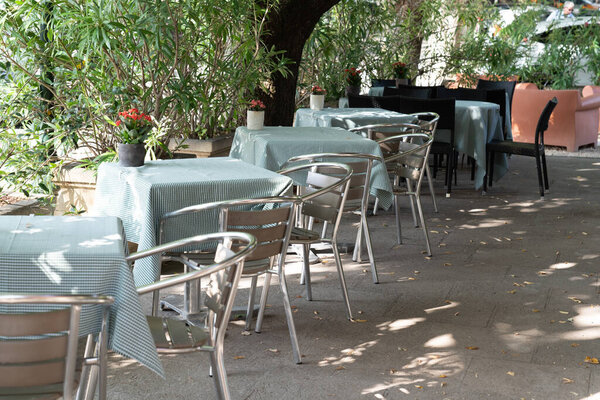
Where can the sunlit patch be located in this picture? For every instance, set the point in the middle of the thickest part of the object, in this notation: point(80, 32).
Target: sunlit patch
point(529, 210)
point(582, 334)
point(588, 316)
point(563, 265)
point(452, 304)
point(487, 223)
point(441, 341)
point(347, 355)
point(523, 204)
point(477, 210)
point(578, 179)
point(590, 256)
point(399, 324)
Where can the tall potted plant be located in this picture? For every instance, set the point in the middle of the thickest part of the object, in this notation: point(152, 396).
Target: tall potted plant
point(353, 80)
point(400, 73)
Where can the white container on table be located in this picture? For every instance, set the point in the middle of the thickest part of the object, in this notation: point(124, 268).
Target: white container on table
point(317, 101)
point(256, 120)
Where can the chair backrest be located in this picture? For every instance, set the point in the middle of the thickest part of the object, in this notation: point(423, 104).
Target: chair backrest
point(411, 156)
point(223, 275)
point(38, 350)
point(383, 82)
point(461, 94)
point(432, 89)
point(542, 124)
point(444, 108)
point(420, 92)
point(508, 86)
point(322, 186)
point(360, 101)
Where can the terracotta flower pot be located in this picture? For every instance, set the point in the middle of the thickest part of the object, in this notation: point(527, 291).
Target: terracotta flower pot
point(131, 155)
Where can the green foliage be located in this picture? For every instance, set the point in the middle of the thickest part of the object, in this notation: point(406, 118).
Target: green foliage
point(69, 65)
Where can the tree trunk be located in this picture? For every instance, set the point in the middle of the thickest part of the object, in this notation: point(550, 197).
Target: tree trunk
point(287, 29)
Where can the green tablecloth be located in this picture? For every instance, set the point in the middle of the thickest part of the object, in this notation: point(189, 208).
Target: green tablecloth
point(77, 255)
point(140, 196)
point(348, 117)
point(271, 147)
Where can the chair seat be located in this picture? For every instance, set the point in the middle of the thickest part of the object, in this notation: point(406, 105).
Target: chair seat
point(508, 146)
point(250, 267)
point(304, 235)
point(181, 336)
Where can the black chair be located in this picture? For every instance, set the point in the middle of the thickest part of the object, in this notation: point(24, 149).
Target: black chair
point(433, 89)
point(525, 149)
point(419, 92)
point(444, 141)
point(509, 86)
point(360, 101)
point(383, 82)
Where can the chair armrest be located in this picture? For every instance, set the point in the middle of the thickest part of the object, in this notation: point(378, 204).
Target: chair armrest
point(589, 103)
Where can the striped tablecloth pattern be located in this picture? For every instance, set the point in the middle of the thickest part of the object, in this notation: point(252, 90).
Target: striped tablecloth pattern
point(140, 196)
point(77, 255)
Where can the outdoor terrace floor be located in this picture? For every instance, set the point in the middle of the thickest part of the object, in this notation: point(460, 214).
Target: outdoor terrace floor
point(508, 307)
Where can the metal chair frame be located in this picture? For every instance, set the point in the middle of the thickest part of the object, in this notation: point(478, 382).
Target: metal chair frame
point(225, 274)
point(357, 199)
point(268, 259)
point(55, 335)
point(323, 197)
point(410, 164)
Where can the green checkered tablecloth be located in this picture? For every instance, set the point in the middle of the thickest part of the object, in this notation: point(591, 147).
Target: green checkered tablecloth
point(140, 196)
point(348, 118)
point(271, 147)
point(77, 255)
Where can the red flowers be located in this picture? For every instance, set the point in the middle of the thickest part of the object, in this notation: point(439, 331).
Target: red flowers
point(317, 90)
point(400, 70)
point(256, 105)
point(352, 76)
point(134, 126)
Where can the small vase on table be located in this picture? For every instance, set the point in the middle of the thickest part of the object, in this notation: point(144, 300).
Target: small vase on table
point(256, 115)
point(317, 97)
point(133, 128)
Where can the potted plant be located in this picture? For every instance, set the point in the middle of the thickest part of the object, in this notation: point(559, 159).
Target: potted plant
point(256, 115)
point(317, 97)
point(134, 127)
point(353, 79)
point(400, 73)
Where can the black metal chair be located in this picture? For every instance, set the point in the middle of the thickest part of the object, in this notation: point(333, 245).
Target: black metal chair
point(525, 149)
point(508, 86)
point(360, 101)
point(444, 143)
point(419, 92)
point(383, 82)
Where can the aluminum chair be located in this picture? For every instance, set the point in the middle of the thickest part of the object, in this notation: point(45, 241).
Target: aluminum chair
point(357, 199)
point(427, 123)
point(176, 336)
point(270, 219)
point(38, 351)
point(323, 188)
point(410, 164)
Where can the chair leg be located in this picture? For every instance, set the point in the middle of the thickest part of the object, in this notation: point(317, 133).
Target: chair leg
point(88, 380)
point(450, 172)
point(220, 373)
point(375, 206)
point(492, 157)
point(369, 247)
point(288, 314)
point(250, 309)
point(431, 191)
point(397, 212)
point(338, 264)
point(422, 218)
point(538, 164)
point(412, 203)
point(263, 302)
point(472, 161)
point(356, 254)
point(306, 271)
point(545, 167)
